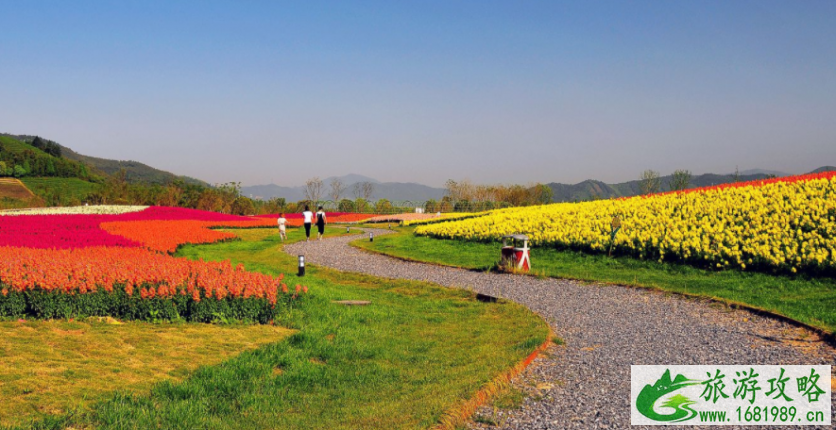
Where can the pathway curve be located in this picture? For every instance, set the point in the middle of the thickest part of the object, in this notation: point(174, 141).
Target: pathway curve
point(586, 383)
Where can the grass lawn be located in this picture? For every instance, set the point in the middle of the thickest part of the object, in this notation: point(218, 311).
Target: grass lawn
point(52, 367)
point(61, 190)
point(809, 300)
point(10, 203)
point(400, 363)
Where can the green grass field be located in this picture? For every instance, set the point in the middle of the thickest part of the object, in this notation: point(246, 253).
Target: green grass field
point(809, 300)
point(52, 367)
point(417, 351)
point(7, 203)
point(64, 190)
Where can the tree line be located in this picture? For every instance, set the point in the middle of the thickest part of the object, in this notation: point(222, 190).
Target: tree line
point(465, 196)
point(650, 182)
point(223, 198)
point(460, 196)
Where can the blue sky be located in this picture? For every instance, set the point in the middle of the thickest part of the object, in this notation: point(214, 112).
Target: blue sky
point(550, 91)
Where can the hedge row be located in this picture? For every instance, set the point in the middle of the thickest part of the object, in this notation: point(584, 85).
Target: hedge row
point(44, 304)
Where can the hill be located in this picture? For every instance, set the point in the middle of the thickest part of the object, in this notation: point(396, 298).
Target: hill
point(765, 172)
point(21, 159)
point(269, 191)
point(351, 178)
point(824, 169)
point(41, 170)
point(135, 172)
point(58, 176)
point(17, 146)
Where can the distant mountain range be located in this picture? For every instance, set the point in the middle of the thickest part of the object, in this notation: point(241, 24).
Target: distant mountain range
point(592, 189)
point(135, 172)
point(400, 191)
point(586, 190)
point(394, 191)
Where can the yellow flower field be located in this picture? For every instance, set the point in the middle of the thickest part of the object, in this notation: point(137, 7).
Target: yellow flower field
point(788, 223)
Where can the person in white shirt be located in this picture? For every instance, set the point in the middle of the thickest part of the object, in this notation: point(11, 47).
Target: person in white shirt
point(320, 223)
point(282, 227)
point(308, 221)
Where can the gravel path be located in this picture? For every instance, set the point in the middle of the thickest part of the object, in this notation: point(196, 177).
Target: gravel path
point(586, 383)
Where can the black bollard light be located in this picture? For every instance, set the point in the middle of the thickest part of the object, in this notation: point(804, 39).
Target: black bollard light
point(301, 265)
point(371, 237)
point(348, 229)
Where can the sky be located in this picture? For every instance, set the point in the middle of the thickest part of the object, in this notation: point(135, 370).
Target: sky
point(424, 91)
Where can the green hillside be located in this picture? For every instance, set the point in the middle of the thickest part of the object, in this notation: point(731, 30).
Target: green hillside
point(62, 191)
point(58, 176)
point(51, 177)
point(20, 160)
point(135, 172)
point(17, 147)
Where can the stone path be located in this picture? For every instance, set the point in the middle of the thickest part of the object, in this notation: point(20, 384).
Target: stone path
point(585, 384)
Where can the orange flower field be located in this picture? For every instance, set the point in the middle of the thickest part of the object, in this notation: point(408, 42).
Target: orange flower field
point(166, 236)
point(145, 273)
point(60, 266)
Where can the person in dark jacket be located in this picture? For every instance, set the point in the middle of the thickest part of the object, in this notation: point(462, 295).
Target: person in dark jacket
point(320, 223)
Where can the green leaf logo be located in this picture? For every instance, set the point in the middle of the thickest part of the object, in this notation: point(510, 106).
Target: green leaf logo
point(681, 405)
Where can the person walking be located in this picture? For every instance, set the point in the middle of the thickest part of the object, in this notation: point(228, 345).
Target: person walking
point(320, 223)
point(282, 227)
point(308, 221)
